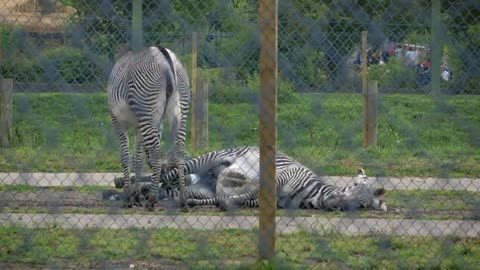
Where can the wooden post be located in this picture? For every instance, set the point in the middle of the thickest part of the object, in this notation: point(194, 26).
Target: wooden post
point(365, 88)
point(6, 110)
point(268, 10)
point(137, 25)
point(202, 114)
point(436, 47)
point(194, 90)
point(372, 124)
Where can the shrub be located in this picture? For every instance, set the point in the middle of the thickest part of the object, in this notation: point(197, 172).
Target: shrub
point(8, 40)
point(228, 91)
point(394, 76)
point(21, 69)
point(71, 65)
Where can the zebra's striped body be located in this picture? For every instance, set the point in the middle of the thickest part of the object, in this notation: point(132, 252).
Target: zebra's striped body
point(235, 173)
point(143, 89)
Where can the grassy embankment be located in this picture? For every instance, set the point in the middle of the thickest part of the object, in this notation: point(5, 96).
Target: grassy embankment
point(417, 136)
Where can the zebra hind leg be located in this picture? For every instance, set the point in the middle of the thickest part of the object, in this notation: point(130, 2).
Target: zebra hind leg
point(224, 204)
point(128, 188)
point(201, 202)
point(138, 168)
point(153, 152)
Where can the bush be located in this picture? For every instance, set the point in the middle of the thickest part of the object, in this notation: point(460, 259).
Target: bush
point(9, 41)
point(394, 76)
point(228, 91)
point(71, 65)
point(305, 68)
point(21, 69)
point(65, 64)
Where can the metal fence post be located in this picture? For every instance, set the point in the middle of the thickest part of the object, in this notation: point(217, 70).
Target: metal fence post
point(202, 113)
point(372, 94)
point(6, 108)
point(365, 88)
point(194, 90)
point(137, 25)
point(436, 47)
point(268, 130)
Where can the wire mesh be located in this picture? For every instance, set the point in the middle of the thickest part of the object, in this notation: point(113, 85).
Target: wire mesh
point(58, 205)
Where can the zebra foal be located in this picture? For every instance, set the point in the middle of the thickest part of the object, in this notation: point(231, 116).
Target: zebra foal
point(144, 88)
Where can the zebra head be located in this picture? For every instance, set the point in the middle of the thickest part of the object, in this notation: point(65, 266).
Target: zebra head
point(362, 195)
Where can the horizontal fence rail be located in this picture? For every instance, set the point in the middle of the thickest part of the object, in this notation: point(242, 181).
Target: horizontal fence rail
point(107, 179)
point(348, 226)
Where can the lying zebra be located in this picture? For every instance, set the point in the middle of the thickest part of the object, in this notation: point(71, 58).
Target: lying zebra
point(230, 178)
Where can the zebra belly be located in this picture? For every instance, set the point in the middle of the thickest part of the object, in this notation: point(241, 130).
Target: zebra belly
point(240, 177)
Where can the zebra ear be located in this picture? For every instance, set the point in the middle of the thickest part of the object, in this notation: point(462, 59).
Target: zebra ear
point(361, 171)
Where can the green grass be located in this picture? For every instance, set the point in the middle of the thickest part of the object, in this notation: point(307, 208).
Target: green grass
point(231, 249)
point(418, 136)
point(454, 200)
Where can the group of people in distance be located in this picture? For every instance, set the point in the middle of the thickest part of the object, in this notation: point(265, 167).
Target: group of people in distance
point(414, 56)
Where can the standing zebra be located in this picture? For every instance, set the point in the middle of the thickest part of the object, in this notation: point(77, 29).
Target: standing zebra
point(144, 88)
point(230, 178)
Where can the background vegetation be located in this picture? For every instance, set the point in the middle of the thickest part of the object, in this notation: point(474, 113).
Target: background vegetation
point(317, 40)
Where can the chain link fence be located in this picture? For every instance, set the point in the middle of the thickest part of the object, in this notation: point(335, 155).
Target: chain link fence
point(61, 157)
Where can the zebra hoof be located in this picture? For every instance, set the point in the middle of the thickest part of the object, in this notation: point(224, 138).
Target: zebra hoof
point(119, 182)
point(128, 203)
point(150, 203)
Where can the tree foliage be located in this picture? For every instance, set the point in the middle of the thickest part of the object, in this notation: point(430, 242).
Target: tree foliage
point(315, 37)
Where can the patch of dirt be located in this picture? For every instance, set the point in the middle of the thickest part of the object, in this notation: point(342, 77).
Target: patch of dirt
point(75, 201)
point(71, 200)
point(47, 198)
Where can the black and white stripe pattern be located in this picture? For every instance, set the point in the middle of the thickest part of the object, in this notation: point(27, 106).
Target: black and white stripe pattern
point(143, 89)
point(297, 186)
